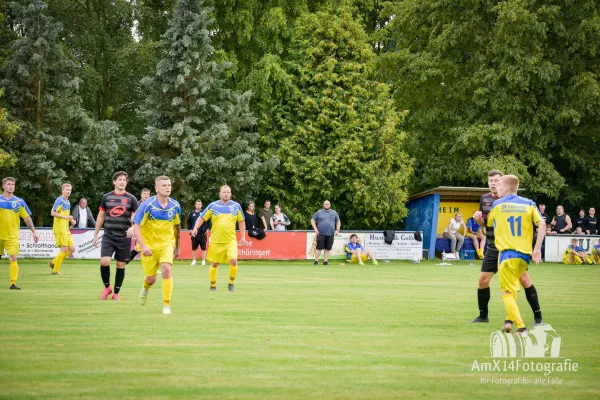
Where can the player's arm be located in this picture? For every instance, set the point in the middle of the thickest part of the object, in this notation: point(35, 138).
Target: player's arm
point(99, 224)
point(29, 224)
point(57, 215)
point(137, 231)
point(242, 225)
point(177, 232)
point(197, 225)
point(537, 249)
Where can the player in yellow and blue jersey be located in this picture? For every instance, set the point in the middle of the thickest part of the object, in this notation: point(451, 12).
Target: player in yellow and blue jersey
point(514, 219)
point(224, 213)
point(12, 208)
point(157, 225)
point(575, 254)
point(356, 254)
point(61, 211)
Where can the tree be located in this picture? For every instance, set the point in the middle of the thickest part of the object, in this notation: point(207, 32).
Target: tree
point(200, 133)
point(8, 131)
point(333, 127)
point(57, 140)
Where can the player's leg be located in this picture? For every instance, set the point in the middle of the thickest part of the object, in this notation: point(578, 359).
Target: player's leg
point(215, 255)
point(12, 248)
point(167, 285)
point(232, 254)
point(489, 266)
point(150, 265)
point(359, 256)
point(532, 298)
point(107, 250)
point(122, 253)
point(371, 256)
point(509, 273)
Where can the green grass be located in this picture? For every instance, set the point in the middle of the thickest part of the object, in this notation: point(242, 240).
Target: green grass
point(290, 331)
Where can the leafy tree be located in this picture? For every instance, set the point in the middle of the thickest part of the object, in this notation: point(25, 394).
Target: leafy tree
point(7, 133)
point(333, 126)
point(200, 133)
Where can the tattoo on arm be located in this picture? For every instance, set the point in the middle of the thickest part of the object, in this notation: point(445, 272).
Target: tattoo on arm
point(177, 229)
point(29, 224)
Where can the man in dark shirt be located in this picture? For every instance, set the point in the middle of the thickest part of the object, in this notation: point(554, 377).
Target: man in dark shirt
point(591, 222)
point(546, 217)
point(116, 211)
point(200, 238)
point(489, 266)
point(265, 215)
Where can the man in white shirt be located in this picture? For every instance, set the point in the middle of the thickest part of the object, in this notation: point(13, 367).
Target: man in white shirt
point(83, 215)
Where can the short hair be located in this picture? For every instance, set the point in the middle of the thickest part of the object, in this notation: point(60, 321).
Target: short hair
point(117, 174)
point(161, 178)
point(495, 172)
point(353, 235)
point(574, 239)
point(541, 204)
point(144, 190)
point(512, 181)
point(561, 206)
point(198, 201)
point(582, 210)
point(65, 184)
point(8, 179)
point(224, 186)
point(83, 198)
point(267, 201)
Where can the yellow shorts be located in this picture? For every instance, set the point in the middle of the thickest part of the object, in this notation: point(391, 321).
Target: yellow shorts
point(510, 269)
point(576, 260)
point(221, 253)
point(64, 239)
point(11, 246)
point(354, 259)
point(152, 263)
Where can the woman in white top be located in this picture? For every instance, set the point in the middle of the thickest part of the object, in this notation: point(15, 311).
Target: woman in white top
point(280, 221)
point(451, 232)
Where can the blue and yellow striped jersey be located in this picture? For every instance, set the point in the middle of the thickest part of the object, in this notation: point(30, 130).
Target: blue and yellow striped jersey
point(570, 249)
point(514, 219)
point(10, 211)
point(157, 222)
point(63, 207)
point(224, 218)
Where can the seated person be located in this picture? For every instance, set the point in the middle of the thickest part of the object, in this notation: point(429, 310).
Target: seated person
point(475, 232)
point(579, 231)
point(451, 232)
point(574, 254)
point(596, 252)
point(356, 254)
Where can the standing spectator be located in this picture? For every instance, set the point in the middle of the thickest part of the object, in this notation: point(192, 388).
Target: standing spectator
point(591, 223)
point(265, 214)
point(144, 195)
point(200, 238)
point(475, 232)
point(279, 221)
point(326, 224)
point(252, 224)
point(83, 215)
point(451, 232)
point(546, 217)
point(561, 222)
point(581, 220)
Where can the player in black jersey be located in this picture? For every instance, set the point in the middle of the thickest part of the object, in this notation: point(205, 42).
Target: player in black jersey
point(116, 212)
point(489, 266)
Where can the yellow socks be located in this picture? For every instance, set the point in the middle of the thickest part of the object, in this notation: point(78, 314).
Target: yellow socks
point(480, 253)
point(167, 287)
point(212, 275)
point(59, 260)
point(146, 285)
point(232, 273)
point(512, 310)
point(14, 272)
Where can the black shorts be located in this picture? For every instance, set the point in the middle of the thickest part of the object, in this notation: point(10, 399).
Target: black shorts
point(199, 240)
point(120, 247)
point(324, 242)
point(490, 261)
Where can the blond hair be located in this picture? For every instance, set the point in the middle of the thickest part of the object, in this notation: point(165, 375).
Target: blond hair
point(512, 181)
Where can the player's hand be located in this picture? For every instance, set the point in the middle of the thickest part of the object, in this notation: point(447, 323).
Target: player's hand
point(317, 232)
point(95, 240)
point(146, 251)
point(35, 237)
point(129, 232)
point(243, 240)
point(336, 232)
point(176, 253)
point(194, 232)
point(477, 215)
point(537, 256)
point(72, 220)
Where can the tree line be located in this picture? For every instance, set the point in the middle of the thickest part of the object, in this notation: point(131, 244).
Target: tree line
point(361, 102)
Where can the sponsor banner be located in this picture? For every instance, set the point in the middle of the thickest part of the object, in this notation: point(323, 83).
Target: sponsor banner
point(555, 246)
point(46, 246)
point(449, 208)
point(404, 246)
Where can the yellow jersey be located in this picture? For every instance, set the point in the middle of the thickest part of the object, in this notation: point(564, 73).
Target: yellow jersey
point(10, 211)
point(157, 222)
point(514, 219)
point(63, 207)
point(224, 217)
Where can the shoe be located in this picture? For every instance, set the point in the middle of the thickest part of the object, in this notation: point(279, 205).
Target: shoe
point(213, 289)
point(166, 310)
point(116, 296)
point(231, 287)
point(480, 254)
point(375, 262)
point(143, 297)
point(193, 262)
point(360, 262)
point(480, 319)
point(105, 293)
point(522, 332)
point(539, 322)
point(51, 265)
point(508, 325)
point(316, 263)
point(203, 262)
point(14, 287)
point(56, 273)
point(457, 256)
point(325, 263)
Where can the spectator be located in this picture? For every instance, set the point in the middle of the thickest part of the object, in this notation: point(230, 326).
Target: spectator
point(546, 217)
point(581, 220)
point(591, 223)
point(575, 254)
point(279, 221)
point(579, 231)
point(83, 215)
point(356, 254)
point(144, 195)
point(475, 232)
point(326, 224)
point(200, 238)
point(252, 224)
point(561, 223)
point(451, 232)
point(265, 214)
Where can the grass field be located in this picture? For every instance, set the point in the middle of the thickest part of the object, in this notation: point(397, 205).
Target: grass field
point(290, 331)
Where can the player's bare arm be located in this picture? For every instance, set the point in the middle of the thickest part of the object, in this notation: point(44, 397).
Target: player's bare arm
point(199, 223)
point(242, 231)
point(99, 224)
point(29, 224)
point(537, 250)
point(177, 232)
point(137, 230)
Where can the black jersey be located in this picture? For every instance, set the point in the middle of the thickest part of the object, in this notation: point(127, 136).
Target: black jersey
point(119, 209)
point(485, 206)
point(591, 224)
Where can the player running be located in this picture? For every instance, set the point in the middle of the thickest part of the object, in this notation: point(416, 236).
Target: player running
point(514, 219)
point(223, 242)
point(157, 228)
point(116, 211)
point(61, 211)
point(11, 209)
